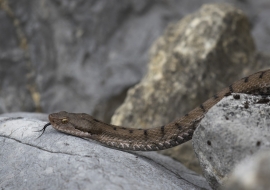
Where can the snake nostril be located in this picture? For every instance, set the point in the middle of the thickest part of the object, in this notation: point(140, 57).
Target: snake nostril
point(50, 117)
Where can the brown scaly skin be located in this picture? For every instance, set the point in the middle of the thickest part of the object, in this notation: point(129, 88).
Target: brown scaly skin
point(158, 138)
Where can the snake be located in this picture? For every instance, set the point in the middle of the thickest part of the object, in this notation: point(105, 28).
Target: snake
point(156, 138)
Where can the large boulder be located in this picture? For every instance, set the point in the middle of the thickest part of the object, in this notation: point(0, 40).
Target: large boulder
point(235, 128)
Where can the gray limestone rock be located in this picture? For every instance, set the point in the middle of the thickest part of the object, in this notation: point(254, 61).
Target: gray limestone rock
point(231, 130)
point(59, 161)
point(253, 173)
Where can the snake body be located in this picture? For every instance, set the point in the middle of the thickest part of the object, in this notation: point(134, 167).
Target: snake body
point(158, 138)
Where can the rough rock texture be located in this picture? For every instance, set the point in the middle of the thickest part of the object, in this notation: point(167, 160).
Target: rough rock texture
point(59, 161)
point(231, 130)
point(252, 173)
point(186, 67)
point(184, 63)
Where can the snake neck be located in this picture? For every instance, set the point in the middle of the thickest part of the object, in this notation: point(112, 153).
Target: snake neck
point(153, 139)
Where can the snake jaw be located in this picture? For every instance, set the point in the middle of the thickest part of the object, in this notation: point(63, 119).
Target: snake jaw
point(71, 130)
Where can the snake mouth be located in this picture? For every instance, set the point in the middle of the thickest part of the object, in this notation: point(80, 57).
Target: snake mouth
point(72, 131)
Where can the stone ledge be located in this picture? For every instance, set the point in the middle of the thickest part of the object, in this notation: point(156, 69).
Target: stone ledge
point(59, 161)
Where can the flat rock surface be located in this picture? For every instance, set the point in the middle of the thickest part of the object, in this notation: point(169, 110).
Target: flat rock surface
point(59, 161)
point(232, 130)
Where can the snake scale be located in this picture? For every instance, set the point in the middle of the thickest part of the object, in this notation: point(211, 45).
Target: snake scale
point(158, 138)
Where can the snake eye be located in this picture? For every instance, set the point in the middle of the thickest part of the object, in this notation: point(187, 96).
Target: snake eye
point(64, 121)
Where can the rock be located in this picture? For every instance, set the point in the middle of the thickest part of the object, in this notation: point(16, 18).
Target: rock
point(38, 116)
point(231, 130)
point(59, 161)
point(187, 64)
point(253, 173)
